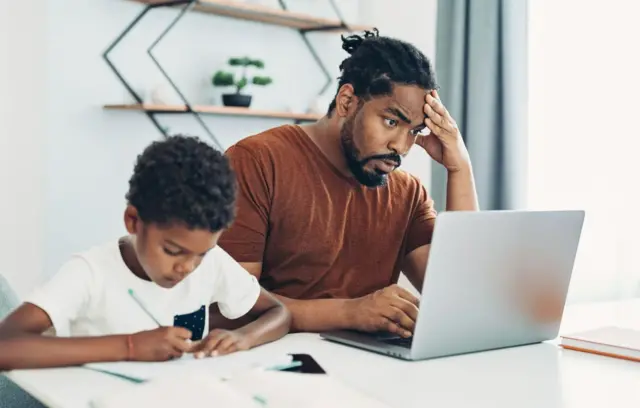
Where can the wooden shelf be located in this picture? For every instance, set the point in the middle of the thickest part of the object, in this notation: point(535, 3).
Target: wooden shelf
point(217, 110)
point(267, 15)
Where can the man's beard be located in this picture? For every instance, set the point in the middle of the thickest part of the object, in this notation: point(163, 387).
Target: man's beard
point(356, 166)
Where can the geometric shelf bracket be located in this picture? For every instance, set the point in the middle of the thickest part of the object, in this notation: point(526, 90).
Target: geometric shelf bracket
point(115, 70)
point(342, 25)
point(316, 57)
point(303, 34)
point(188, 4)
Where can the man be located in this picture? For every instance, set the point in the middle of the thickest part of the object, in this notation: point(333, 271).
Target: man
point(323, 219)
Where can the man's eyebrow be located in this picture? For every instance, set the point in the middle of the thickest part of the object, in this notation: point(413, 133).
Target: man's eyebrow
point(398, 113)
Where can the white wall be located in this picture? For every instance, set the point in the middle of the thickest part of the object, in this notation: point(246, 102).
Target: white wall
point(22, 126)
point(602, 171)
point(89, 152)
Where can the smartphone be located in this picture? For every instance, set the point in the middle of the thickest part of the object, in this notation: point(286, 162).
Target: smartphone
point(309, 365)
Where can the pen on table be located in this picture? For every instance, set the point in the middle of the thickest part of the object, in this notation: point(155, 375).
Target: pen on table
point(282, 367)
point(143, 307)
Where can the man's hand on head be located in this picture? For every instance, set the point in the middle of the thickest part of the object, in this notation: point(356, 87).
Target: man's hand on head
point(392, 309)
point(444, 143)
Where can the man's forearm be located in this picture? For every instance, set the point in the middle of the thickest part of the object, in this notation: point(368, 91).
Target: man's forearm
point(461, 190)
point(306, 315)
point(319, 315)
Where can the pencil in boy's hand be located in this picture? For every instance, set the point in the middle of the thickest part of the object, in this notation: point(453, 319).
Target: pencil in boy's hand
point(143, 307)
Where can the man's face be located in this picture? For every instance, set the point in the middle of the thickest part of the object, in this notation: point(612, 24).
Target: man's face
point(381, 131)
point(168, 254)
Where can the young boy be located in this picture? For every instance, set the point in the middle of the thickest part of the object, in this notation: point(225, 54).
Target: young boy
point(145, 297)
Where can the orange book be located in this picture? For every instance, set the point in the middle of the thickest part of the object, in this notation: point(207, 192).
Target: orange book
point(606, 341)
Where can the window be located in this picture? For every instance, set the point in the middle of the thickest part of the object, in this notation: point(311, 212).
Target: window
point(584, 73)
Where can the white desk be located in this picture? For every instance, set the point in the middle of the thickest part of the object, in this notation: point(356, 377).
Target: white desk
point(540, 376)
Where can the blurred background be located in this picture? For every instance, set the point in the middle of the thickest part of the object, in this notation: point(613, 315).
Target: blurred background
point(544, 92)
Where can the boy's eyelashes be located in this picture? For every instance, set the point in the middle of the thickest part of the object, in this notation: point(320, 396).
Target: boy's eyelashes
point(171, 252)
point(178, 252)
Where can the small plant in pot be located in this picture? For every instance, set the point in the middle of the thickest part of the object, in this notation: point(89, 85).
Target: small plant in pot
point(224, 78)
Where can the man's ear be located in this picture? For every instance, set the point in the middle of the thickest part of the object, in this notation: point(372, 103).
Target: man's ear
point(346, 100)
point(131, 219)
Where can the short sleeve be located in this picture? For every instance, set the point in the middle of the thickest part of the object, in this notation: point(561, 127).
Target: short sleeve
point(66, 295)
point(236, 291)
point(245, 239)
point(422, 222)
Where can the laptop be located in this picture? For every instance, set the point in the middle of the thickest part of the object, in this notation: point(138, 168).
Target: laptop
point(494, 279)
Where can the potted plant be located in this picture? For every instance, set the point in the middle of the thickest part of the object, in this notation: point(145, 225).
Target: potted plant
point(224, 78)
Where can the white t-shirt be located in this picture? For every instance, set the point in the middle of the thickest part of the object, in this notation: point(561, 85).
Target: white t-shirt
point(89, 296)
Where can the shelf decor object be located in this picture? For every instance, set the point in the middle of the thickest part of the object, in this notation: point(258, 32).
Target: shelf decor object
point(226, 79)
point(237, 10)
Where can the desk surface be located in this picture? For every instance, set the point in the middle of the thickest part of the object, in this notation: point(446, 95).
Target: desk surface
point(541, 375)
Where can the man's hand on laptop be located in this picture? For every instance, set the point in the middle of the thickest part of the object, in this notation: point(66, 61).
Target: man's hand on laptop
point(392, 309)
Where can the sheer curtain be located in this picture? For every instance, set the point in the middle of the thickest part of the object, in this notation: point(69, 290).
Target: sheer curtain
point(584, 139)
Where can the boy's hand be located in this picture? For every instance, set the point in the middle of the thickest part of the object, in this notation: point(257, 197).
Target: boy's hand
point(220, 342)
point(161, 344)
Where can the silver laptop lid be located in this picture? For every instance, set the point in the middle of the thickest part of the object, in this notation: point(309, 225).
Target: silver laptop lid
point(495, 279)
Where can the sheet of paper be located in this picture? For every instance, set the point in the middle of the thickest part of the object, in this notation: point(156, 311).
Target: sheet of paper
point(187, 390)
point(612, 336)
point(253, 388)
point(280, 389)
point(223, 366)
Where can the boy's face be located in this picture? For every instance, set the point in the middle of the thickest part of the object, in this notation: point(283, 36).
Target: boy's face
point(168, 254)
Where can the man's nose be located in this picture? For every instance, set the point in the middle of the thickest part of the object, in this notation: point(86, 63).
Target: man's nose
point(400, 144)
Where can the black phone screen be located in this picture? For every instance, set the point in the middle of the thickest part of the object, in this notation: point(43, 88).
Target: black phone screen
point(309, 365)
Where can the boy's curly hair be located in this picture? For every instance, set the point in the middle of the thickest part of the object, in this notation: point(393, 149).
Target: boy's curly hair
point(185, 181)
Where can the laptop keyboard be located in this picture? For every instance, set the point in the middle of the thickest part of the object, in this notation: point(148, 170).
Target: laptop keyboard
point(399, 341)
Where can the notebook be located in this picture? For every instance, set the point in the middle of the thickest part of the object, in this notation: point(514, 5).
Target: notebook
point(607, 341)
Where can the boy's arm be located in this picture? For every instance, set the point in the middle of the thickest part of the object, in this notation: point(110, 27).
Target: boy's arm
point(22, 344)
point(268, 320)
point(237, 296)
point(272, 320)
point(64, 298)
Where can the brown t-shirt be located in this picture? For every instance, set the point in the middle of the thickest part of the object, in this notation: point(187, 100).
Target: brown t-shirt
point(319, 233)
